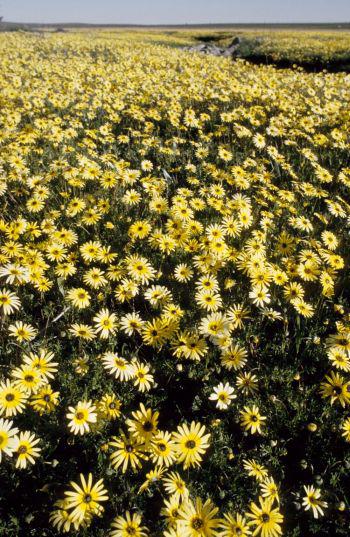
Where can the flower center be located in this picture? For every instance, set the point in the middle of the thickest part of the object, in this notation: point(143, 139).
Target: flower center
point(190, 444)
point(197, 523)
point(148, 426)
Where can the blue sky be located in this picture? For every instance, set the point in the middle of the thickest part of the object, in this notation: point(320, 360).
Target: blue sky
point(175, 11)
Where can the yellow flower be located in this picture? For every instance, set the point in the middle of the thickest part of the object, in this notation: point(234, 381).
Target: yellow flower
point(81, 416)
point(12, 399)
point(312, 501)
point(198, 519)
point(336, 388)
point(28, 378)
point(82, 331)
point(128, 525)
point(22, 331)
point(128, 452)
point(118, 366)
point(223, 395)
point(105, 323)
point(346, 429)
point(162, 449)
point(234, 526)
point(24, 448)
point(79, 297)
point(9, 302)
point(6, 437)
point(252, 420)
point(45, 400)
point(85, 498)
point(191, 443)
point(267, 520)
point(144, 424)
point(109, 407)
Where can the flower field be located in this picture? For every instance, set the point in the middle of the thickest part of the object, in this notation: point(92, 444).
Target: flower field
point(312, 48)
point(174, 292)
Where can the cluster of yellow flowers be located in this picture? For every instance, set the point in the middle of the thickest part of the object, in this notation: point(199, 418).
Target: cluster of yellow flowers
point(304, 46)
point(183, 516)
point(155, 206)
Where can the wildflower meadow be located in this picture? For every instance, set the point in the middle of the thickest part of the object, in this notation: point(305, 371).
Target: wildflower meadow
point(174, 290)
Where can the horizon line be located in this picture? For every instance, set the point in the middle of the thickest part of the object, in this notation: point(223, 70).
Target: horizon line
point(292, 23)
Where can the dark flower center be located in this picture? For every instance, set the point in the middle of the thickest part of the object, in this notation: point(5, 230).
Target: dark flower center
point(197, 523)
point(148, 426)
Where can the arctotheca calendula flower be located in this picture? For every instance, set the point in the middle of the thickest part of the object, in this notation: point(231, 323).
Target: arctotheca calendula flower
point(85, 498)
point(198, 519)
point(81, 416)
point(191, 443)
point(223, 395)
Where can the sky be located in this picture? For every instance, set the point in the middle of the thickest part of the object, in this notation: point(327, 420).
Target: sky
point(175, 11)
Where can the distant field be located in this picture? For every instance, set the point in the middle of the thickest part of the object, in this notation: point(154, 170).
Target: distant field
point(312, 46)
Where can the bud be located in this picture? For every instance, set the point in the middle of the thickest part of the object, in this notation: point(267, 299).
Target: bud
point(229, 283)
point(318, 480)
point(215, 423)
point(230, 455)
point(341, 506)
point(312, 427)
